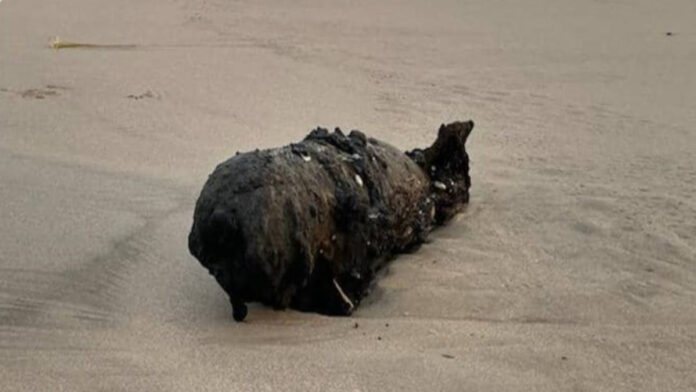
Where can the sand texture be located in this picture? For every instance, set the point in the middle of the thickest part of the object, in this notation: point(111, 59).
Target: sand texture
point(572, 269)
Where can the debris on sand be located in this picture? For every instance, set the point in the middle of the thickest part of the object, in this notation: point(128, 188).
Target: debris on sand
point(57, 43)
point(275, 227)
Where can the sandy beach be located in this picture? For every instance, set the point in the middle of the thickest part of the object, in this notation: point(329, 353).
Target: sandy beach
point(572, 269)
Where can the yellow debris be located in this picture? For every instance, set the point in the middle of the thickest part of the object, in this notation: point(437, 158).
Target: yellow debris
point(56, 43)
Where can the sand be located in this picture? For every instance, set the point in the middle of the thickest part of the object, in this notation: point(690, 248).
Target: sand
point(573, 268)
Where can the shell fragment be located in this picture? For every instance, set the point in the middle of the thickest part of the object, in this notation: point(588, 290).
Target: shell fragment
point(439, 185)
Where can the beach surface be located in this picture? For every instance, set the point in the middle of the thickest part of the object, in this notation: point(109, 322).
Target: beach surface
point(572, 269)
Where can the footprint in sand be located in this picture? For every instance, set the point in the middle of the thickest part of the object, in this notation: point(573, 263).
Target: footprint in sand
point(37, 93)
point(146, 94)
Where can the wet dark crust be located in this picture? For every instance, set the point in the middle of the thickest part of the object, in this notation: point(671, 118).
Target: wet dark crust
point(310, 224)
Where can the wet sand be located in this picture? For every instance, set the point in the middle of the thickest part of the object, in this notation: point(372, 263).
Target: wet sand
point(573, 268)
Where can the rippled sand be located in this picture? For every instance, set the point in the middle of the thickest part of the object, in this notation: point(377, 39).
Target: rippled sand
point(573, 269)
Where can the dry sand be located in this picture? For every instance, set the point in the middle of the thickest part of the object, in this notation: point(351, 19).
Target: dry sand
point(573, 269)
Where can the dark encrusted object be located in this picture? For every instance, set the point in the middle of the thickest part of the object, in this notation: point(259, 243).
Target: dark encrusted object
point(308, 225)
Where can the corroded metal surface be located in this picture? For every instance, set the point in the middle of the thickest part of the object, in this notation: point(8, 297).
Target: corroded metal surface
point(308, 225)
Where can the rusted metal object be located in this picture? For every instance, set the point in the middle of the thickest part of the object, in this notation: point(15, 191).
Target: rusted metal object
point(308, 225)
